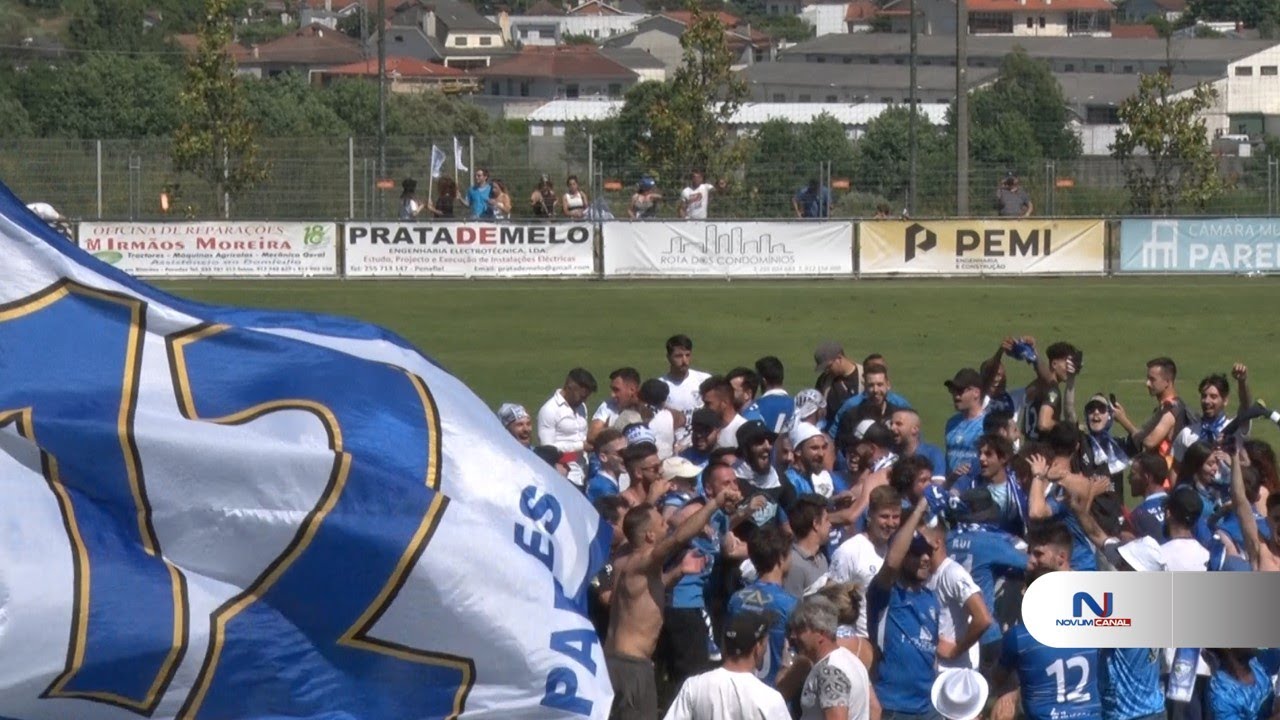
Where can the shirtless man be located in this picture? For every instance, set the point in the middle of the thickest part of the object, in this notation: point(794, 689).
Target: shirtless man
point(639, 595)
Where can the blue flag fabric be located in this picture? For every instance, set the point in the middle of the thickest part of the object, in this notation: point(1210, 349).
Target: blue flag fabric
point(212, 512)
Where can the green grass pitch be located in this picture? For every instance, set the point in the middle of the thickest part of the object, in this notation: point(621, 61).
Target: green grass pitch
point(514, 340)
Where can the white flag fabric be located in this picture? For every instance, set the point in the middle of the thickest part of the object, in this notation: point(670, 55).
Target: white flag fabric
point(437, 161)
point(457, 156)
point(212, 512)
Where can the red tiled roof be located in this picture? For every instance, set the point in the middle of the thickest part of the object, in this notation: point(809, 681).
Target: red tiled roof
point(1038, 5)
point(1134, 32)
point(404, 67)
point(544, 7)
point(311, 45)
point(859, 10)
point(575, 61)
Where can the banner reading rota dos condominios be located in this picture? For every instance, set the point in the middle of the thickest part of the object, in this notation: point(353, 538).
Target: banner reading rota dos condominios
point(469, 250)
point(215, 249)
point(982, 247)
point(727, 249)
point(1212, 245)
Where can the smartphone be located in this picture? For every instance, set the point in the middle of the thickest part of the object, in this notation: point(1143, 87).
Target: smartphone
point(1079, 361)
point(1112, 398)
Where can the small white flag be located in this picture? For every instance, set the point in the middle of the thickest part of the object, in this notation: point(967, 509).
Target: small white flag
point(437, 161)
point(457, 155)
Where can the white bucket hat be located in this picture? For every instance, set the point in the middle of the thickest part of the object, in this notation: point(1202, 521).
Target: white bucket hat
point(959, 694)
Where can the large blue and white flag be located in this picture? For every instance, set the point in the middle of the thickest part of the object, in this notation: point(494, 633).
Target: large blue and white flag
point(209, 512)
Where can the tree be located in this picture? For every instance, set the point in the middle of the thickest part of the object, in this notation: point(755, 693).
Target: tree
point(113, 25)
point(577, 39)
point(882, 154)
point(1026, 88)
point(216, 139)
point(774, 168)
point(288, 106)
point(104, 95)
point(681, 125)
point(1168, 161)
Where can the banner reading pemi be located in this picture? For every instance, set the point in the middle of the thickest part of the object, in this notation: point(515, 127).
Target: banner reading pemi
point(222, 513)
point(981, 247)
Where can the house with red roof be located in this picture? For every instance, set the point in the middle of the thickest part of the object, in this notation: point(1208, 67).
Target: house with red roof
point(404, 75)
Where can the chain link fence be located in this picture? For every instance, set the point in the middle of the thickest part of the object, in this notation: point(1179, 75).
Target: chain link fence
point(338, 178)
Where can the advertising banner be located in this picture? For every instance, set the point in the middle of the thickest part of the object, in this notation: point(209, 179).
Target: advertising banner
point(725, 248)
point(1212, 245)
point(465, 250)
point(214, 248)
point(982, 247)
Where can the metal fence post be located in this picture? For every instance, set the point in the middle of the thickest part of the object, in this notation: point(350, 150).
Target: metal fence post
point(98, 143)
point(351, 177)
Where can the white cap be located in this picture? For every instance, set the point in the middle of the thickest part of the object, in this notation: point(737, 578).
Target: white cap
point(748, 571)
point(802, 432)
point(1143, 554)
point(678, 467)
point(862, 428)
point(959, 694)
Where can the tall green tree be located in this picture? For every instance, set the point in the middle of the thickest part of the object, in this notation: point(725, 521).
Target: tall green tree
point(113, 25)
point(289, 106)
point(103, 96)
point(882, 155)
point(216, 139)
point(1022, 117)
point(1162, 142)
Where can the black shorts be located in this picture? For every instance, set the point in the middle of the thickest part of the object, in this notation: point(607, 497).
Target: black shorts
point(635, 691)
point(685, 645)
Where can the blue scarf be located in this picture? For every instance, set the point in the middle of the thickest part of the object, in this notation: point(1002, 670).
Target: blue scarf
point(1211, 430)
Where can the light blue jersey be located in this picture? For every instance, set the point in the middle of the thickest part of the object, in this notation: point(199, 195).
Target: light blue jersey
point(1057, 683)
point(904, 624)
point(1230, 699)
point(962, 444)
point(1130, 682)
point(775, 602)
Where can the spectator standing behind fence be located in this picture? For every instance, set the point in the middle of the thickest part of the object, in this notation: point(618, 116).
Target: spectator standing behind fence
point(409, 205)
point(812, 201)
point(644, 203)
point(500, 201)
point(1011, 199)
point(543, 200)
point(445, 198)
point(478, 194)
point(695, 198)
point(574, 203)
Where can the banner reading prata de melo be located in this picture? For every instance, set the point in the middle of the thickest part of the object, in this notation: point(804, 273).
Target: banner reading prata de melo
point(982, 247)
point(467, 250)
point(1211, 245)
point(725, 248)
point(214, 249)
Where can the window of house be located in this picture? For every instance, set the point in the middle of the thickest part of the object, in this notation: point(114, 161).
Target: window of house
point(1069, 67)
point(486, 40)
point(1099, 68)
point(1041, 21)
point(1128, 68)
point(615, 89)
point(460, 41)
point(899, 61)
point(1031, 22)
point(847, 60)
point(557, 131)
point(1244, 70)
point(886, 100)
point(1267, 70)
point(495, 89)
point(832, 98)
point(779, 97)
point(926, 61)
point(524, 88)
point(571, 90)
point(535, 130)
point(875, 61)
point(805, 98)
point(822, 58)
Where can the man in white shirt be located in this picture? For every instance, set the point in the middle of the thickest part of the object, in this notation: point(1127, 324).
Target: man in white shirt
point(838, 684)
point(624, 394)
point(695, 198)
point(683, 380)
point(717, 396)
point(859, 558)
point(733, 690)
point(964, 617)
point(666, 424)
point(562, 421)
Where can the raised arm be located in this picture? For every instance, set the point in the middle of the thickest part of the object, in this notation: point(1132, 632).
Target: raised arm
point(692, 526)
point(993, 365)
point(1037, 504)
point(1241, 373)
point(1243, 508)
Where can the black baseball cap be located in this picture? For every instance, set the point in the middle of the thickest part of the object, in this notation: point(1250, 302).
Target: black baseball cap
point(753, 432)
point(744, 631)
point(965, 378)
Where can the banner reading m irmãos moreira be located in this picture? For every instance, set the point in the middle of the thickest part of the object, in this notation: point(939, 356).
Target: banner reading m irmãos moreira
point(214, 249)
point(469, 249)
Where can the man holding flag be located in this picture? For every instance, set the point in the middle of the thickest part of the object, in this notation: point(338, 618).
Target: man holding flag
point(223, 513)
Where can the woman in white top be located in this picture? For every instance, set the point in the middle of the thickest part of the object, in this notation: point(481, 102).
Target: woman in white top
point(500, 201)
point(574, 203)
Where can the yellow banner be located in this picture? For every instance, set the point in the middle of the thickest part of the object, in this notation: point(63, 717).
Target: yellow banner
point(981, 247)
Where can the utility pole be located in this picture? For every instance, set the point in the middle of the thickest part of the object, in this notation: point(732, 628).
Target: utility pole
point(382, 89)
point(912, 145)
point(962, 108)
